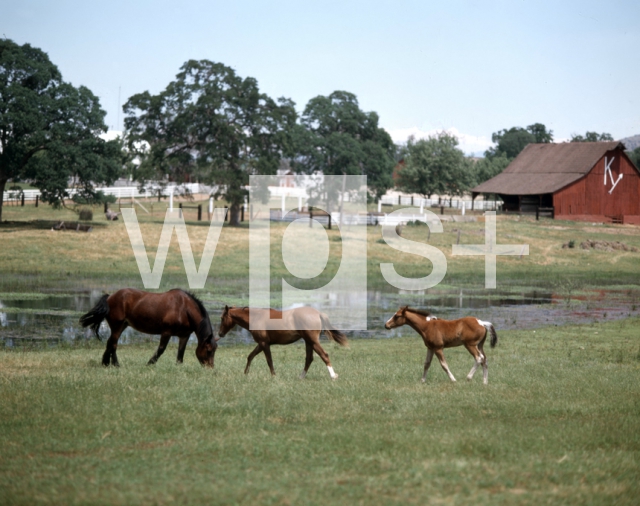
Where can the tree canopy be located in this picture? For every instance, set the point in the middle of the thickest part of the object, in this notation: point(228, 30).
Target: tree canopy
point(49, 129)
point(592, 137)
point(512, 141)
point(339, 138)
point(434, 166)
point(634, 156)
point(211, 124)
point(486, 168)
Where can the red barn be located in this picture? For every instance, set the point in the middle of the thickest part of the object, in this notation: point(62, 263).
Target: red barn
point(584, 181)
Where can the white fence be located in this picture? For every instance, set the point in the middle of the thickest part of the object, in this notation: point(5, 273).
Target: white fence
point(366, 218)
point(119, 191)
point(480, 205)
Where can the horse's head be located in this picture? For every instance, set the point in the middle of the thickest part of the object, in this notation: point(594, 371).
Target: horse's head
point(207, 345)
point(398, 319)
point(226, 322)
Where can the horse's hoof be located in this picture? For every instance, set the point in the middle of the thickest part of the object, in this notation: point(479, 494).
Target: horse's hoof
point(423, 380)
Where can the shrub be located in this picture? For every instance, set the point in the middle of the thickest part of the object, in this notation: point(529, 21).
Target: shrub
point(86, 214)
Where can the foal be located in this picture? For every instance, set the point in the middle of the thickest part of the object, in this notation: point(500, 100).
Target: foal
point(294, 324)
point(439, 334)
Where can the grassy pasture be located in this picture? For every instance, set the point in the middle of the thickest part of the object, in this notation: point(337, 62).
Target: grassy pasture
point(32, 256)
point(558, 423)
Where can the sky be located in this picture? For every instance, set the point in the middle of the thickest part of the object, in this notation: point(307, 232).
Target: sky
point(468, 67)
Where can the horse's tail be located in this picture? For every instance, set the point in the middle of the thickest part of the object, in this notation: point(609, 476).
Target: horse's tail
point(332, 332)
point(94, 317)
point(491, 330)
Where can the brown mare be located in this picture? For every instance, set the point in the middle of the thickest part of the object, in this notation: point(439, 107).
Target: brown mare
point(439, 334)
point(307, 322)
point(173, 313)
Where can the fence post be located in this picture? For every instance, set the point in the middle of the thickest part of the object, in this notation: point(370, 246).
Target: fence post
point(399, 200)
point(22, 200)
point(329, 220)
point(242, 213)
point(199, 212)
point(37, 197)
point(180, 206)
point(310, 216)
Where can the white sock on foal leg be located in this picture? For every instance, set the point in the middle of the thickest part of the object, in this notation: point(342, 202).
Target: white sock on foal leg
point(332, 372)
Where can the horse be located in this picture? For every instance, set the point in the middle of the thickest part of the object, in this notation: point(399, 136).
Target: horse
point(173, 313)
point(438, 334)
point(307, 322)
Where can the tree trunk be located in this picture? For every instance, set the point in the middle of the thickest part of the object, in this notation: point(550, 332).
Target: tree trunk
point(3, 183)
point(234, 215)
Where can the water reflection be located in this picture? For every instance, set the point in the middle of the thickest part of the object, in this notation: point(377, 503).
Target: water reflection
point(53, 318)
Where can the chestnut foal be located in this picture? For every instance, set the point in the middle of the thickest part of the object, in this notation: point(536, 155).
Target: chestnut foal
point(439, 334)
point(300, 323)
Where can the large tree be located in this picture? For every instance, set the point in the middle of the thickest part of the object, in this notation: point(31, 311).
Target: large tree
point(592, 137)
point(49, 129)
point(341, 139)
point(211, 124)
point(512, 141)
point(434, 166)
point(486, 168)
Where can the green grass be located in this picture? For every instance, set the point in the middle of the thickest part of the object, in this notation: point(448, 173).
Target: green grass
point(33, 257)
point(558, 423)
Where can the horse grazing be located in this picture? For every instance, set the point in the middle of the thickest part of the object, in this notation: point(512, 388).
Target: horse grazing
point(173, 313)
point(307, 322)
point(439, 334)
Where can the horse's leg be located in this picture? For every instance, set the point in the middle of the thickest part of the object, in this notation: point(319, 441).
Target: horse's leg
point(477, 357)
point(181, 347)
point(267, 353)
point(485, 368)
point(427, 363)
point(164, 340)
point(323, 355)
point(255, 351)
point(309, 358)
point(109, 356)
point(443, 363)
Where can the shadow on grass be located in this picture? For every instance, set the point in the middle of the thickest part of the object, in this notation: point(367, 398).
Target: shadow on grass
point(10, 226)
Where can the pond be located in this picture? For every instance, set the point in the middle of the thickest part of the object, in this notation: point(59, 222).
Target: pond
point(52, 318)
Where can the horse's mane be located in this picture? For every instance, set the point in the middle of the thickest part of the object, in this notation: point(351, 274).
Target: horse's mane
point(418, 311)
point(203, 310)
point(204, 327)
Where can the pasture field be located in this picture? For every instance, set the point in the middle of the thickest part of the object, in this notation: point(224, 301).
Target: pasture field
point(559, 423)
point(34, 257)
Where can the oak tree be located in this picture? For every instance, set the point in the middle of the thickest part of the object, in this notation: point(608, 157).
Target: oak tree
point(49, 129)
point(213, 125)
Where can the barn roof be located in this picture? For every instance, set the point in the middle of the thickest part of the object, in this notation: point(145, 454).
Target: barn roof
point(546, 168)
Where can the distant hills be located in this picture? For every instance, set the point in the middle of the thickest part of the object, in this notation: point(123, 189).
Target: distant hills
point(632, 142)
